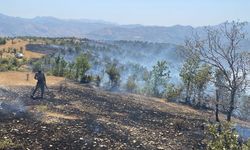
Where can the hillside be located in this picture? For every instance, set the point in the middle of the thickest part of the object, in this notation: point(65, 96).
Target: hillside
point(83, 117)
point(19, 44)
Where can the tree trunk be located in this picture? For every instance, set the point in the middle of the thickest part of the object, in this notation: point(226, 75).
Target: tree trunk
point(217, 107)
point(187, 100)
point(198, 104)
point(231, 105)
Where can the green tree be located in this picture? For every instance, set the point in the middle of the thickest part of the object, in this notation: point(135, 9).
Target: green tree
point(1, 54)
point(56, 66)
point(201, 79)
point(158, 79)
point(70, 70)
point(81, 66)
point(63, 65)
point(114, 74)
point(187, 74)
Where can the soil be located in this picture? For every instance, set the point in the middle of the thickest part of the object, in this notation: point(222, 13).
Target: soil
point(73, 116)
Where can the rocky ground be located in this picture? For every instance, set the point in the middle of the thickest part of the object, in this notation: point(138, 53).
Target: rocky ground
point(74, 116)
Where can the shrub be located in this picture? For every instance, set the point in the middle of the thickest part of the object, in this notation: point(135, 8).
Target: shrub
point(2, 41)
point(8, 144)
point(131, 85)
point(223, 137)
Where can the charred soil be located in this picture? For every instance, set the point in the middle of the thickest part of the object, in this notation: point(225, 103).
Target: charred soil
point(79, 117)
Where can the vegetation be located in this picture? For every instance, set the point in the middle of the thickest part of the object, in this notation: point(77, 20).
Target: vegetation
point(7, 143)
point(131, 84)
point(223, 137)
point(208, 61)
point(11, 64)
point(81, 66)
point(187, 74)
point(173, 92)
point(245, 111)
point(114, 75)
point(2, 41)
point(220, 49)
point(158, 79)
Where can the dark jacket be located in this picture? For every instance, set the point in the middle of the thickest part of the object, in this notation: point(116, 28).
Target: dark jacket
point(40, 77)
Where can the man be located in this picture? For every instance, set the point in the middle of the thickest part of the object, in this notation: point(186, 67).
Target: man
point(41, 83)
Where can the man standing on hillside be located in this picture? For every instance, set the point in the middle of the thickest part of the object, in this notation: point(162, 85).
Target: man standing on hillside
point(41, 83)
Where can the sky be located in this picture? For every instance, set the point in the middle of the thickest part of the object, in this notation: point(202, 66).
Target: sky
point(146, 12)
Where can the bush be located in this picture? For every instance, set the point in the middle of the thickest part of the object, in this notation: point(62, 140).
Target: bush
point(172, 92)
point(36, 66)
point(223, 137)
point(2, 41)
point(86, 79)
point(10, 64)
point(131, 85)
point(8, 144)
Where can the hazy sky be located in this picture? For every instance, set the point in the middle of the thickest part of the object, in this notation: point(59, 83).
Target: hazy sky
point(147, 12)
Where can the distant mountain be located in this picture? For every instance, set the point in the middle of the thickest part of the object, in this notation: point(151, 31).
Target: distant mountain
point(174, 34)
point(48, 26)
point(98, 30)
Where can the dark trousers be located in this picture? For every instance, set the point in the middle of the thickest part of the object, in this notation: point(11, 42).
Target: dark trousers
point(41, 86)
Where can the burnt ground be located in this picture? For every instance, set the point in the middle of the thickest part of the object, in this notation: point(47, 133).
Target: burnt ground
point(80, 117)
point(43, 49)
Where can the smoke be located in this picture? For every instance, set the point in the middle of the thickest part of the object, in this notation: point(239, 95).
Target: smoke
point(243, 131)
point(10, 104)
point(133, 58)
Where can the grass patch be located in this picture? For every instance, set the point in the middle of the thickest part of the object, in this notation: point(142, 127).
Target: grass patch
point(8, 144)
point(42, 108)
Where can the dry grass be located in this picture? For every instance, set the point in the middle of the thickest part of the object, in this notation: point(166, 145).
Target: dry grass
point(60, 116)
point(48, 115)
point(17, 44)
point(7, 143)
point(14, 78)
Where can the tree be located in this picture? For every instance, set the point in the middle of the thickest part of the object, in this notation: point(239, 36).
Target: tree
point(187, 74)
point(219, 84)
point(245, 111)
point(56, 66)
point(158, 79)
point(220, 49)
point(62, 67)
point(70, 70)
point(114, 74)
point(1, 54)
point(201, 79)
point(82, 66)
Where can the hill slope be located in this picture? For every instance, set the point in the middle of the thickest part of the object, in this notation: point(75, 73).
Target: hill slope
point(81, 117)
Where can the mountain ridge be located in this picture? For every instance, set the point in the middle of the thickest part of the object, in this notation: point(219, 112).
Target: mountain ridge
point(94, 29)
